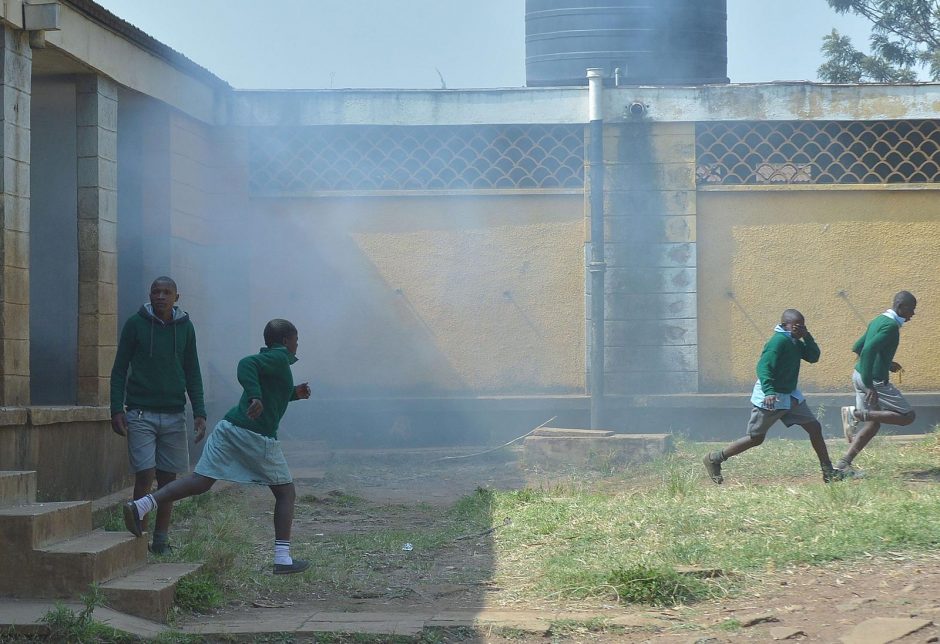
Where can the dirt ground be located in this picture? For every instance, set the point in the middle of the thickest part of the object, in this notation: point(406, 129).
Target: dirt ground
point(405, 490)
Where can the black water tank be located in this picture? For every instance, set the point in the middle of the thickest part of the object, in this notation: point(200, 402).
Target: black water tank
point(653, 42)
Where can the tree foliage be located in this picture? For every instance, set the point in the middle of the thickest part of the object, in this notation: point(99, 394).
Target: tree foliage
point(905, 37)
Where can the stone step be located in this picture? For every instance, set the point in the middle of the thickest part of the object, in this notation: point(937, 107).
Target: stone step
point(148, 592)
point(17, 488)
point(61, 569)
point(24, 528)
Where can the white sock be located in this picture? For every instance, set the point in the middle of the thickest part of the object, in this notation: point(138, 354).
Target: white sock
point(145, 504)
point(282, 552)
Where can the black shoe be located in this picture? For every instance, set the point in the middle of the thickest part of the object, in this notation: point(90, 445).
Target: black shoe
point(713, 468)
point(161, 548)
point(299, 565)
point(831, 474)
point(132, 519)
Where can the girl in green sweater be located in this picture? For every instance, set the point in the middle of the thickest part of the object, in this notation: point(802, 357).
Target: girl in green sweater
point(243, 447)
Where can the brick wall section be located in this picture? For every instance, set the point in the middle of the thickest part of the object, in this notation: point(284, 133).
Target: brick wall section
point(96, 106)
point(14, 217)
point(651, 289)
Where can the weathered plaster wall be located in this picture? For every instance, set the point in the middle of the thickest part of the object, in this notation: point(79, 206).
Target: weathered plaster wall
point(650, 287)
point(836, 255)
point(425, 296)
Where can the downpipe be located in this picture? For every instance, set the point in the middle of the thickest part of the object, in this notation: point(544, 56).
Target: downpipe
point(597, 267)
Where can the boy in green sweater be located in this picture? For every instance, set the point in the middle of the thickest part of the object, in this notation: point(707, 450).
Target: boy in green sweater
point(877, 401)
point(243, 447)
point(158, 345)
point(776, 397)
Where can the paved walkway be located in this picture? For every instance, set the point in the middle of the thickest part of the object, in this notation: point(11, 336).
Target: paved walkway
point(25, 615)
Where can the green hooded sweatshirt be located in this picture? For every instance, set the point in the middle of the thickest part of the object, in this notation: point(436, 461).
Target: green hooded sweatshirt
point(267, 377)
point(163, 363)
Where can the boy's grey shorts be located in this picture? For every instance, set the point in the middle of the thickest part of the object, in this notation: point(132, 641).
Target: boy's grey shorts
point(889, 397)
point(157, 440)
point(762, 419)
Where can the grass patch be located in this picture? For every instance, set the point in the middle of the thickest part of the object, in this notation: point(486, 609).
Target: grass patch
point(657, 586)
point(198, 593)
point(65, 625)
point(618, 537)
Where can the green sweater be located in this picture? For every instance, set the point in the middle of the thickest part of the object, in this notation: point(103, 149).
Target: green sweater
point(876, 349)
point(164, 365)
point(267, 377)
point(779, 366)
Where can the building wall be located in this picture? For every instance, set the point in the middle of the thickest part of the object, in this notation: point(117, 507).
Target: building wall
point(650, 285)
point(838, 255)
point(421, 296)
point(53, 241)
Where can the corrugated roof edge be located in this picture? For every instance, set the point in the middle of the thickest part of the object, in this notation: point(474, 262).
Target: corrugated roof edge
point(101, 15)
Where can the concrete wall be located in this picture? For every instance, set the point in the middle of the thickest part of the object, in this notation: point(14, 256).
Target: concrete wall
point(837, 255)
point(53, 243)
point(73, 451)
point(425, 296)
point(650, 242)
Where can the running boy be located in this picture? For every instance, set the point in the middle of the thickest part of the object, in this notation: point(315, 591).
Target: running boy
point(243, 447)
point(776, 396)
point(158, 344)
point(877, 401)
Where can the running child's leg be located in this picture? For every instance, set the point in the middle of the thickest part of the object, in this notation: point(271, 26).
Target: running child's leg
point(757, 426)
point(284, 499)
point(814, 430)
point(135, 511)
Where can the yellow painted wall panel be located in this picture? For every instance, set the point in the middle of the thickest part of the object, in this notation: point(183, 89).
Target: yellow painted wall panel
point(467, 295)
point(837, 256)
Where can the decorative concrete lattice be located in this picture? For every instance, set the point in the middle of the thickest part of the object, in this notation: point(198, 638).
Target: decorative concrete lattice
point(826, 152)
point(312, 160)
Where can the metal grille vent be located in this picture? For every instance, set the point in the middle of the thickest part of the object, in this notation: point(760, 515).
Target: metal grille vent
point(312, 160)
point(828, 152)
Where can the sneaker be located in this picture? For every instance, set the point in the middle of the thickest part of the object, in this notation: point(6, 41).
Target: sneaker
point(831, 474)
point(132, 519)
point(161, 548)
point(713, 468)
point(849, 423)
point(299, 565)
point(849, 473)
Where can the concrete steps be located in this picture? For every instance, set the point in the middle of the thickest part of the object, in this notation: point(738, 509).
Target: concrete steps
point(17, 488)
point(50, 550)
point(148, 592)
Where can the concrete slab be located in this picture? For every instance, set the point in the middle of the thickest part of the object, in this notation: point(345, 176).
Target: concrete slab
point(149, 591)
point(882, 630)
point(25, 615)
point(572, 433)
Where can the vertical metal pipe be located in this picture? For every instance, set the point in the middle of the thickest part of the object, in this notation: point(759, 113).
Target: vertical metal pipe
point(596, 266)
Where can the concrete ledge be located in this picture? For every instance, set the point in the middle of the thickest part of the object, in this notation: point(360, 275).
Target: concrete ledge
point(53, 415)
point(595, 451)
point(13, 416)
point(743, 400)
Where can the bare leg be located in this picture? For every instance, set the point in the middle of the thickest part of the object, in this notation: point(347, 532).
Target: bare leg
point(165, 509)
point(191, 485)
point(886, 417)
point(873, 420)
point(741, 445)
point(284, 496)
point(814, 429)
